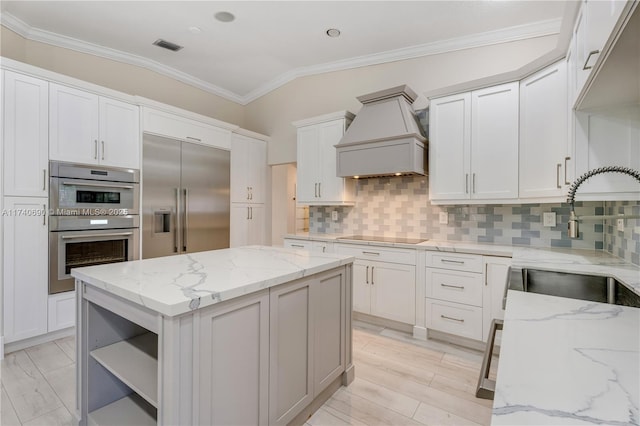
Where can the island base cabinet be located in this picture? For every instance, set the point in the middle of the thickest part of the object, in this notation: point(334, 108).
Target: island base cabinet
point(234, 363)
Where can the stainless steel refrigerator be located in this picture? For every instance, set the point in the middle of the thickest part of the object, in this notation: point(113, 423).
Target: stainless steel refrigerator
point(185, 197)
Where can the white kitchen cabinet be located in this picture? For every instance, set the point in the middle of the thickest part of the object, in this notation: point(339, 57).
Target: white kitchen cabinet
point(317, 183)
point(247, 225)
point(384, 281)
point(608, 138)
point(543, 132)
point(90, 129)
point(496, 270)
point(322, 246)
point(25, 267)
point(61, 311)
point(170, 125)
point(473, 147)
point(310, 245)
point(297, 244)
point(26, 135)
point(248, 169)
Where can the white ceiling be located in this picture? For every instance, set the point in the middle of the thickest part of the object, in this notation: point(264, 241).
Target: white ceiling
point(270, 43)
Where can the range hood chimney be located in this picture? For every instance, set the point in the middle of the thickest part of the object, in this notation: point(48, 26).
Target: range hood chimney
point(385, 138)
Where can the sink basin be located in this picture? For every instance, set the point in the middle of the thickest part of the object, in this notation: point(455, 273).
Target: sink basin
point(574, 286)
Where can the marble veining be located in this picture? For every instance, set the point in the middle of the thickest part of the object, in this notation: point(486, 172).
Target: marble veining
point(174, 285)
point(567, 361)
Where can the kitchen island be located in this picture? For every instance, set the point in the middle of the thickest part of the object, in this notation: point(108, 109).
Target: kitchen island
point(250, 335)
point(567, 361)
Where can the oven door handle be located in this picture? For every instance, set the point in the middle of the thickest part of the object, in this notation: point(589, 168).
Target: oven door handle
point(97, 185)
point(114, 234)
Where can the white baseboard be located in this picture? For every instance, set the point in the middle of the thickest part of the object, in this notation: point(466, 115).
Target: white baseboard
point(33, 341)
point(419, 332)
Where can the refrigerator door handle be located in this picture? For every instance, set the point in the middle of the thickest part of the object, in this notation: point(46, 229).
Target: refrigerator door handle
point(185, 216)
point(176, 220)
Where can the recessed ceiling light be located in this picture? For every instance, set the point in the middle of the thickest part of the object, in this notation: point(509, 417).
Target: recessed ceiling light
point(224, 16)
point(333, 32)
point(195, 30)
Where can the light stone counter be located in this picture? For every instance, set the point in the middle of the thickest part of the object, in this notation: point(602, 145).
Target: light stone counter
point(566, 361)
point(178, 284)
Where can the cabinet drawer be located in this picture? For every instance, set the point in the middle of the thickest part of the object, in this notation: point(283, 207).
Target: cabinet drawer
point(298, 244)
point(322, 246)
point(457, 262)
point(379, 254)
point(453, 318)
point(454, 286)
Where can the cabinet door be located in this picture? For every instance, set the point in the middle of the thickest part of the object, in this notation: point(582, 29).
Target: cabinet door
point(543, 133)
point(291, 337)
point(330, 187)
point(26, 135)
point(240, 169)
point(494, 142)
point(496, 279)
point(239, 225)
point(610, 138)
point(328, 295)
point(393, 291)
point(73, 125)
point(258, 170)
point(119, 134)
point(25, 268)
point(361, 287)
point(256, 228)
point(449, 147)
point(308, 165)
point(234, 363)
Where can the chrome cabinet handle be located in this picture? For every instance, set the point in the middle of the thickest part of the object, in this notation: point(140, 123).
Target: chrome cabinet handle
point(251, 213)
point(367, 275)
point(175, 222)
point(44, 215)
point(185, 217)
point(458, 262)
point(247, 192)
point(451, 318)
point(297, 245)
point(473, 184)
point(102, 149)
point(558, 167)
point(324, 249)
point(247, 213)
point(319, 189)
point(566, 181)
point(316, 190)
point(461, 287)
point(44, 179)
point(194, 139)
point(372, 275)
point(593, 52)
point(95, 149)
point(373, 253)
point(251, 192)
point(115, 234)
point(466, 183)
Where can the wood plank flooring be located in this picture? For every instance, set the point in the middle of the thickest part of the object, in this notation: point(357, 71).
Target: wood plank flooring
point(399, 381)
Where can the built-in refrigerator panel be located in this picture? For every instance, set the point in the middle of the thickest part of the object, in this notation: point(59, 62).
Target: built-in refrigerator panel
point(185, 197)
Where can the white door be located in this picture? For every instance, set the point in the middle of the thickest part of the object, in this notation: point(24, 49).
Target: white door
point(543, 133)
point(25, 268)
point(393, 291)
point(26, 135)
point(494, 142)
point(257, 170)
point(73, 125)
point(119, 134)
point(496, 280)
point(240, 169)
point(239, 225)
point(308, 165)
point(256, 231)
point(449, 145)
point(361, 287)
point(330, 187)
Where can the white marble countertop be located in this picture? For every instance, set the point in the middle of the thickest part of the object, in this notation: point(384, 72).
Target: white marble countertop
point(174, 285)
point(567, 361)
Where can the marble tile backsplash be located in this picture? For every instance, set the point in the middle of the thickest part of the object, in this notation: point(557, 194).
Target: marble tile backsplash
point(399, 206)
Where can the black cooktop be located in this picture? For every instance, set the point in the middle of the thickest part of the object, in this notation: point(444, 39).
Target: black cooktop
point(381, 239)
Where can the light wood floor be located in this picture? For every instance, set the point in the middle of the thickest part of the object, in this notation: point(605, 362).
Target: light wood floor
point(399, 381)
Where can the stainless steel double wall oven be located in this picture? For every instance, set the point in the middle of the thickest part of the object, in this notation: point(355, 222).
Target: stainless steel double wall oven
point(94, 219)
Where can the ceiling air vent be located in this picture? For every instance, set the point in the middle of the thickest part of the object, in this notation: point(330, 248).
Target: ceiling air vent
point(167, 45)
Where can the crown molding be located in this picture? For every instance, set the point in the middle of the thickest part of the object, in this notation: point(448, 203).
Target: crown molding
point(520, 32)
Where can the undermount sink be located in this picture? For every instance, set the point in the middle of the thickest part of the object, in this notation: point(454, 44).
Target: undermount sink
point(574, 286)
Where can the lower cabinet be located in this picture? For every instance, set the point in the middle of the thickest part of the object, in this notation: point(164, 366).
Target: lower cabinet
point(316, 246)
point(247, 225)
point(25, 274)
point(307, 332)
point(61, 312)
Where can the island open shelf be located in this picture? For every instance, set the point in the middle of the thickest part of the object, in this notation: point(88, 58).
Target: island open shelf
point(130, 410)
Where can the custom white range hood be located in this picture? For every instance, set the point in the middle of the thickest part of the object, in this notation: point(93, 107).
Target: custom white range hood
point(385, 138)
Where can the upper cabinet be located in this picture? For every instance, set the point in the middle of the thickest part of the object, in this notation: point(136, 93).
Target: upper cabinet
point(91, 129)
point(544, 158)
point(317, 183)
point(473, 145)
point(177, 127)
point(25, 135)
point(248, 169)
